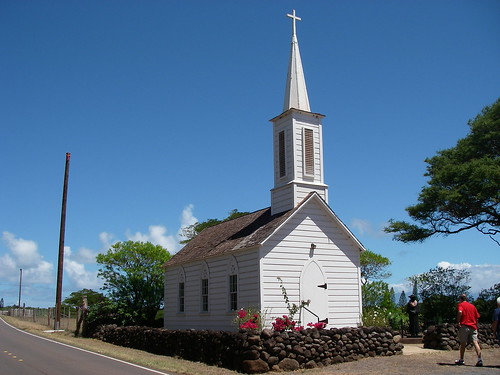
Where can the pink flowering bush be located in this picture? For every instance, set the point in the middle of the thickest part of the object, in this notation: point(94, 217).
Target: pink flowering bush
point(248, 319)
point(284, 323)
point(319, 325)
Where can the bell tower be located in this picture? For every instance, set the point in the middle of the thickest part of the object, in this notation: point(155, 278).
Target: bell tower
point(297, 140)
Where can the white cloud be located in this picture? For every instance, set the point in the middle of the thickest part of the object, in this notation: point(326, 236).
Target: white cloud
point(24, 254)
point(187, 219)
point(85, 256)
point(43, 273)
point(364, 227)
point(79, 276)
point(107, 240)
point(157, 234)
point(80, 267)
point(482, 276)
point(10, 270)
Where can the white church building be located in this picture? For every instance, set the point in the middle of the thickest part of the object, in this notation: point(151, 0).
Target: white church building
point(298, 239)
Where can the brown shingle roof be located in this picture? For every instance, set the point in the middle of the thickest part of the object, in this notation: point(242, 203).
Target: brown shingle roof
point(232, 235)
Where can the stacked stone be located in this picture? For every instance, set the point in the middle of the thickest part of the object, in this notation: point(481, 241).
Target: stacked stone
point(257, 352)
point(310, 348)
point(445, 337)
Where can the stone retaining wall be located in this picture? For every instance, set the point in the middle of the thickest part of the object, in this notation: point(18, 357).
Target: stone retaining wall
point(258, 352)
point(444, 337)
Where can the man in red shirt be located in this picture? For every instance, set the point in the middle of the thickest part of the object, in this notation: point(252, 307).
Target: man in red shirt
point(467, 316)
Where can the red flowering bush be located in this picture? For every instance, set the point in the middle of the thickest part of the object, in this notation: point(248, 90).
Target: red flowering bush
point(248, 319)
point(319, 325)
point(287, 322)
point(283, 324)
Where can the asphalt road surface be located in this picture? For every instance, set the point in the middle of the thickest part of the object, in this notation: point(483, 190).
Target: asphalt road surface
point(22, 353)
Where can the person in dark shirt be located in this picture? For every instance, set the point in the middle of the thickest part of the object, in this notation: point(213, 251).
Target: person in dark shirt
point(495, 325)
point(412, 310)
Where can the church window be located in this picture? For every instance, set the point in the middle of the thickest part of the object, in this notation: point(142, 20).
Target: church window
point(204, 295)
point(233, 292)
point(308, 152)
point(181, 291)
point(233, 284)
point(181, 297)
point(204, 288)
point(281, 153)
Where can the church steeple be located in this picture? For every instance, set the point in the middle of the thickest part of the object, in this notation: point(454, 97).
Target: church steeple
point(296, 91)
point(298, 140)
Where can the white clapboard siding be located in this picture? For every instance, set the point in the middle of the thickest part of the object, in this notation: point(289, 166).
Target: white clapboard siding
point(285, 254)
point(219, 316)
point(282, 198)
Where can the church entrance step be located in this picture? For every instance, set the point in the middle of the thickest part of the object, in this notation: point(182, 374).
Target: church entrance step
point(411, 340)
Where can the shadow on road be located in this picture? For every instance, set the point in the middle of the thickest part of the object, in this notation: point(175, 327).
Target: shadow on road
point(454, 365)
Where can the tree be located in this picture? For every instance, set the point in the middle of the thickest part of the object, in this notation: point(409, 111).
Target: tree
point(75, 298)
point(415, 290)
point(373, 267)
point(80, 300)
point(439, 290)
point(402, 299)
point(463, 191)
point(192, 230)
point(393, 296)
point(377, 294)
point(486, 302)
point(133, 276)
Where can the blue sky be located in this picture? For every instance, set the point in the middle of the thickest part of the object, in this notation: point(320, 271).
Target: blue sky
point(164, 106)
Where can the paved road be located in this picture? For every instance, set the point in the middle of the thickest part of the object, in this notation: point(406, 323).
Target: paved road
point(24, 354)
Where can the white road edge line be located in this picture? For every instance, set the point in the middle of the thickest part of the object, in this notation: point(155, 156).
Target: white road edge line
point(86, 351)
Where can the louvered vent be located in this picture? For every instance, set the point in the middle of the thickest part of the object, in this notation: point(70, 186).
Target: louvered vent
point(281, 150)
point(308, 152)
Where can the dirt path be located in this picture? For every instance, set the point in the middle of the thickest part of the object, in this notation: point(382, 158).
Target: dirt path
point(428, 363)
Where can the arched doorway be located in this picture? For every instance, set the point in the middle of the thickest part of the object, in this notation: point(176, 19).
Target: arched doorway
point(313, 287)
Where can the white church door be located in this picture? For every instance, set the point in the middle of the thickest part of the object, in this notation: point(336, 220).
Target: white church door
point(313, 287)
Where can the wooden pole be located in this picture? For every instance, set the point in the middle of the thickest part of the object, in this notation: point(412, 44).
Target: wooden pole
point(57, 320)
point(20, 284)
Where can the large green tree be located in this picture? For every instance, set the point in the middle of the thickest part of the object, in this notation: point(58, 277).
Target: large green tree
point(486, 302)
point(133, 278)
point(377, 294)
point(463, 190)
point(439, 289)
point(192, 230)
point(373, 267)
point(75, 299)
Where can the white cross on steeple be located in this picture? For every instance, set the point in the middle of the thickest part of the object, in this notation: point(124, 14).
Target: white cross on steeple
point(294, 18)
point(295, 91)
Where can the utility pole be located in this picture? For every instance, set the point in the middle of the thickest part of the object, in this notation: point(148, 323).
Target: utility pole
point(57, 318)
point(20, 284)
